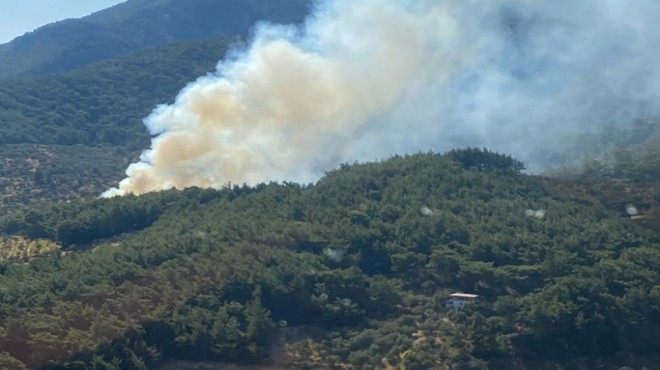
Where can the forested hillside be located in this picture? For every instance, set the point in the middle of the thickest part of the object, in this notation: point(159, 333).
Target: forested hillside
point(625, 175)
point(71, 135)
point(351, 272)
point(135, 25)
point(628, 153)
point(102, 104)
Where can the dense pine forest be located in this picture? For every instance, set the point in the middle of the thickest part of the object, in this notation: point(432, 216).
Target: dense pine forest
point(352, 272)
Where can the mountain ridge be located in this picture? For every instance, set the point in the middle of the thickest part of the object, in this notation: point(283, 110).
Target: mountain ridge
point(72, 43)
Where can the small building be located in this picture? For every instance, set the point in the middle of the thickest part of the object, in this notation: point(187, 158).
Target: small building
point(458, 300)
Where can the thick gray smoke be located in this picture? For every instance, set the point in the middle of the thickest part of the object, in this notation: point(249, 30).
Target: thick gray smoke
point(366, 79)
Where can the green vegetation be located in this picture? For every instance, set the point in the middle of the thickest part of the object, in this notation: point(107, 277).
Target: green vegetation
point(102, 104)
point(72, 135)
point(625, 174)
point(628, 154)
point(136, 25)
point(20, 248)
point(34, 174)
point(352, 271)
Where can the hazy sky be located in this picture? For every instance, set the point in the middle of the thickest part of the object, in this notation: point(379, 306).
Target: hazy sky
point(20, 16)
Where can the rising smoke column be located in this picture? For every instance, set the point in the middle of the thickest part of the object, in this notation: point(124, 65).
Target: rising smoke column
point(289, 106)
point(370, 78)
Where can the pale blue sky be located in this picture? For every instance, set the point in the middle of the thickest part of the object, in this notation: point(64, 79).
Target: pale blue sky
point(20, 16)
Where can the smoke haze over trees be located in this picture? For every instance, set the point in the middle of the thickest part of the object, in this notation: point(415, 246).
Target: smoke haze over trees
point(351, 267)
point(364, 80)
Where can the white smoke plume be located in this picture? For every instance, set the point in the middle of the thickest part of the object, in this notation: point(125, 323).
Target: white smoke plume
point(367, 79)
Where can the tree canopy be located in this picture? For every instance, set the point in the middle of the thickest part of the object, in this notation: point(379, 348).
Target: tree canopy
point(351, 271)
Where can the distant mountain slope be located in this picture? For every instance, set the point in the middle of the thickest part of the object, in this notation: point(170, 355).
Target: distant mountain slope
point(134, 25)
point(71, 134)
point(102, 103)
point(31, 174)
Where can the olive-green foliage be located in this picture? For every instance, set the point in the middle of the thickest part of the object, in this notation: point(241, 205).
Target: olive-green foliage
point(19, 248)
point(72, 135)
point(368, 255)
point(33, 174)
point(103, 103)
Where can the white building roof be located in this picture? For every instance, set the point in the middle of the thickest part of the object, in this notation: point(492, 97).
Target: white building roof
point(463, 295)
